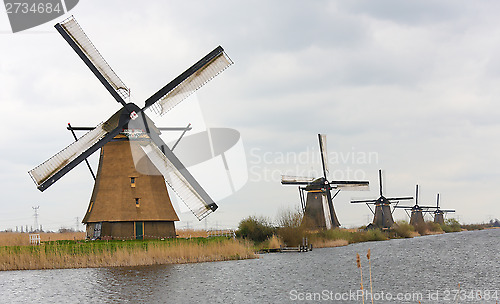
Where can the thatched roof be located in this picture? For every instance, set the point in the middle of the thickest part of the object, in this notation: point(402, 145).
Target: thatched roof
point(114, 195)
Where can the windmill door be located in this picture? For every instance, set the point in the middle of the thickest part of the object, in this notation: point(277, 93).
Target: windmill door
point(97, 230)
point(139, 230)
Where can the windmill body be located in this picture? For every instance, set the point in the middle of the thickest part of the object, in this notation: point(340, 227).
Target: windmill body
point(130, 198)
point(318, 209)
point(417, 216)
point(439, 213)
point(439, 217)
point(417, 211)
point(382, 216)
point(318, 213)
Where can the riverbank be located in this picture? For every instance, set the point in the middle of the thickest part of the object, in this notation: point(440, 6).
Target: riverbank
point(82, 254)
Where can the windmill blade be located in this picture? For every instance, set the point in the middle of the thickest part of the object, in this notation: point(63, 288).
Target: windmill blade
point(58, 165)
point(447, 210)
point(428, 207)
point(188, 82)
point(363, 201)
point(81, 44)
point(399, 198)
point(296, 180)
point(180, 180)
point(324, 153)
point(351, 185)
point(380, 181)
point(404, 207)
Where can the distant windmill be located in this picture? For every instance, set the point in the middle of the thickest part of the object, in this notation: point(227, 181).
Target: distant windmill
point(318, 206)
point(417, 211)
point(130, 195)
point(382, 215)
point(439, 213)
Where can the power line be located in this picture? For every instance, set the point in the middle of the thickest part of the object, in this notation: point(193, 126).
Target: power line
point(36, 216)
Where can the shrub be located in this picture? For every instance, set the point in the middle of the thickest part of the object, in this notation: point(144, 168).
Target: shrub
point(255, 229)
point(368, 235)
point(434, 227)
point(451, 225)
point(404, 230)
point(291, 231)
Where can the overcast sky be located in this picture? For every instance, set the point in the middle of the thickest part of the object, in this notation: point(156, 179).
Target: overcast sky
point(410, 87)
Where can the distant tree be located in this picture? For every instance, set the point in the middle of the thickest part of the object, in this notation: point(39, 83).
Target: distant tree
point(495, 223)
point(257, 229)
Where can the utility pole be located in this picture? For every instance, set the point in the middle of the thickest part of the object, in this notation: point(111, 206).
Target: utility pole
point(77, 224)
point(36, 217)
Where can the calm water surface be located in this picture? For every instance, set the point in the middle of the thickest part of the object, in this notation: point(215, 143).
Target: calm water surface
point(429, 267)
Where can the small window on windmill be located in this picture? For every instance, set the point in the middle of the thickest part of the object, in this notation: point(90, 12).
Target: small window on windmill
point(137, 202)
point(132, 182)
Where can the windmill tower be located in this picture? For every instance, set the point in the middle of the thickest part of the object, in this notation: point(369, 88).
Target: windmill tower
point(130, 196)
point(439, 213)
point(318, 207)
point(417, 211)
point(382, 216)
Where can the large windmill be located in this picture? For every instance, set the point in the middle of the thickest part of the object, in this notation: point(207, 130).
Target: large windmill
point(318, 206)
point(130, 195)
point(382, 216)
point(439, 213)
point(417, 211)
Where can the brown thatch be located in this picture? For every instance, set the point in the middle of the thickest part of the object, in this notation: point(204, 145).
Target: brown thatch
point(130, 189)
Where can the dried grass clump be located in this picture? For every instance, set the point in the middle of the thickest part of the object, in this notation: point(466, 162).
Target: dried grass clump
point(323, 243)
point(23, 239)
point(132, 253)
point(190, 233)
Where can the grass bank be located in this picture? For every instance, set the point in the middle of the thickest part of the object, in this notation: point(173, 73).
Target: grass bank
point(291, 231)
point(81, 254)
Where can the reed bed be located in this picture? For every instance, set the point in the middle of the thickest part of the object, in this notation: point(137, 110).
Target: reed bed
point(324, 243)
point(22, 239)
point(71, 254)
point(191, 233)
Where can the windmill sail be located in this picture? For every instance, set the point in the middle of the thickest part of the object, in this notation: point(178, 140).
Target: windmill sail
point(78, 40)
point(351, 185)
point(55, 167)
point(296, 180)
point(402, 198)
point(324, 153)
point(180, 180)
point(188, 82)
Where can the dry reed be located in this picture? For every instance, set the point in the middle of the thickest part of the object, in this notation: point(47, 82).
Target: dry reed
point(121, 254)
point(275, 242)
point(368, 256)
point(23, 239)
point(323, 243)
point(191, 233)
point(358, 263)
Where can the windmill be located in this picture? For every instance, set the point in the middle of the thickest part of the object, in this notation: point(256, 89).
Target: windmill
point(382, 216)
point(318, 206)
point(439, 213)
point(417, 211)
point(146, 157)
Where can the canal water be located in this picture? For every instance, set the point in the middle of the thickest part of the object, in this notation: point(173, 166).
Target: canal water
point(459, 267)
